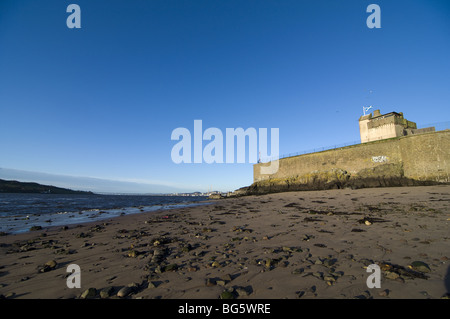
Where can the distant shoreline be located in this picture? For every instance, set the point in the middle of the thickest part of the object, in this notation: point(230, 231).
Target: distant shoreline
point(12, 186)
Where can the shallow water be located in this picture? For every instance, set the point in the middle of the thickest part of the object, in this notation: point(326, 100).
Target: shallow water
point(19, 212)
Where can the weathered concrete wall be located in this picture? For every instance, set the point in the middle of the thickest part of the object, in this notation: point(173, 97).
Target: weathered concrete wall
point(408, 160)
point(351, 159)
point(427, 156)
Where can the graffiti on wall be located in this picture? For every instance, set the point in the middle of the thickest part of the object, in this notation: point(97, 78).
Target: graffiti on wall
point(379, 159)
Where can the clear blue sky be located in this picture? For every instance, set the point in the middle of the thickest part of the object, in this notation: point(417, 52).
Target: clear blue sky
point(102, 101)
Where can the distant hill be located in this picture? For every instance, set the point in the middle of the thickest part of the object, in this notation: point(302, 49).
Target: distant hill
point(96, 185)
point(21, 187)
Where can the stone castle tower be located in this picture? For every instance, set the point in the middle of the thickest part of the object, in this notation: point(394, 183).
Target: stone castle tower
point(377, 126)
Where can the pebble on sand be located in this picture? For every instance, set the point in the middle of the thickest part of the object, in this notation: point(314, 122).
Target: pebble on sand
point(420, 266)
point(89, 293)
point(227, 295)
point(49, 265)
point(106, 292)
point(125, 291)
point(384, 293)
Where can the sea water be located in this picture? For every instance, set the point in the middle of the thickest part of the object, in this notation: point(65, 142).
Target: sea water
point(20, 212)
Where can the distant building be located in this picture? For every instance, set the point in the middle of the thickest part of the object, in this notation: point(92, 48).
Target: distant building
point(377, 126)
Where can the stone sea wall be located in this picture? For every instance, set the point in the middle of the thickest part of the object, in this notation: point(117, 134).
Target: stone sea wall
point(402, 161)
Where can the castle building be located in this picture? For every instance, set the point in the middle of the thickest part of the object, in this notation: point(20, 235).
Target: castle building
point(377, 126)
point(392, 152)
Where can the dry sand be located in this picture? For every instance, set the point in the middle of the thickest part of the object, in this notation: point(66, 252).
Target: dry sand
point(288, 245)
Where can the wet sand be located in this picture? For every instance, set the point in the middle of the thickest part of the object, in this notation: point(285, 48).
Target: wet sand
point(314, 244)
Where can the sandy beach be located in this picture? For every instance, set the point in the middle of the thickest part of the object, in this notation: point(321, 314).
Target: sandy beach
point(313, 244)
